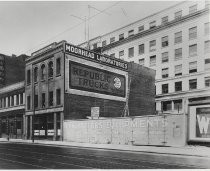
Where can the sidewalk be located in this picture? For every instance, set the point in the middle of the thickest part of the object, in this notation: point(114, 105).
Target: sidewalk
point(199, 151)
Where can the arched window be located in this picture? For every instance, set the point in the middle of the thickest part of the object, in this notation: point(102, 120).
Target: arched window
point(43, 72)
point(50, 69)
point(35, 74)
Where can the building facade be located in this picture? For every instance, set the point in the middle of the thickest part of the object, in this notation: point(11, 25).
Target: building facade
point(12, 110)
point(176, 43)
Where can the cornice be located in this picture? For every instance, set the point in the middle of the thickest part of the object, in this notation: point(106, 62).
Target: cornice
point(12, 87)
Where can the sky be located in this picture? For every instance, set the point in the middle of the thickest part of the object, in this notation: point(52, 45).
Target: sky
point(26, 26)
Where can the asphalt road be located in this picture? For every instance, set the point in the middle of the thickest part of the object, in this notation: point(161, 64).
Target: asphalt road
point(36, 156)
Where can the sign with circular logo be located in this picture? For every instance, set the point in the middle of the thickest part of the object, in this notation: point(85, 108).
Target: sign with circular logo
point(117, 83)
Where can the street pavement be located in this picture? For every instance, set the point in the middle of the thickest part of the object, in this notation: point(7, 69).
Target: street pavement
point(15, 155)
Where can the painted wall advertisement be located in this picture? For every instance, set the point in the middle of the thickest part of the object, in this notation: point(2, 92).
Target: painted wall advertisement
point(200, 123)
point(87, 78)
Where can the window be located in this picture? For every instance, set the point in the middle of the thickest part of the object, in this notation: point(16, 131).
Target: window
point(51, 98)
point(192, 9)
point(50, 69)
point(177, 14)
point(43, 100)
point(35, 74)
point(141, 49)
point(165, 72)
point(164, 88)
point(28, 76)
point(207, 64)
point(131, 52)
point(58, 96)
point(12, 100)
point(28, 102)
point(17, 99)
point(9, 101)
point(153, 60)
point(192, 67)
point(165, 41)
point(207, 46)
point(167, 105)
point(121, 36)
point(0, 103)
point(178, 70)
point(193, 33)
point(193, 50)
point(104, 43)
point(95, 46)
point(21, 98)
point(207, 28)
point(178, 105)
point(121, 53)
point(207, 81)
point(165, 20)
point(141, 28)
point(141, 61)
point(112, 39)
point(112, 55)
point(178, 37)
point(178, 54)
point(130, 33)
point(192, 84)
point(43, 72)
point(164, 57)
point(58, 66)
point(152, 24)
point(36, 101)
point(152, 45)
point(207, 3)
point(178, 86)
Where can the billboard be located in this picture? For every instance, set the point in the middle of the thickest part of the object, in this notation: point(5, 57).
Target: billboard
point(200, 123)
point(91, 79)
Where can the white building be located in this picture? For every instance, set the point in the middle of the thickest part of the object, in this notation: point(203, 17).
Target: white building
point(176, 43)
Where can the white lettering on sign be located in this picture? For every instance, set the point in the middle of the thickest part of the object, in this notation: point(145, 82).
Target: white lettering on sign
point(203, 123)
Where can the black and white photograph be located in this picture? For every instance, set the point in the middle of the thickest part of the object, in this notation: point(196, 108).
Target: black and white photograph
point(105, 85)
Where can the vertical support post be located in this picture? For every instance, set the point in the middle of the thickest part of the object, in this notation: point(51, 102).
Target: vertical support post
point(26, 127)
point(61, 125)
point(31, 127)
point(55, 127)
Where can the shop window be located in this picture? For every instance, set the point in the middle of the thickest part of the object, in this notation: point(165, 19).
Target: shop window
point(121, 54)
point(130, 33)
point(58, 66)
point(178, 105)
point(178, 15)
point(178, 86)
point(58, 96)
point(141, 49)
point(43, 72)
point(141, 61)
point(43, 100)
point(28, 102)
point(104, 43)
point(207, 28)
point(193, 33)
point(19, 125)
point(28, 77)
point(192, 67)
point(164, 20)
point(112, 40)
point(193, 9)
point(207, 81)
point(50, 69)
point(153, 60)
point(131, 52)
point(121, 36)
point(152, 45)
point(51, 98)
point(193, 84)
point(21, 98)
point(207, 46)
point(152, 24)
point(193, 50)
point(167, 105)
point(165, 72)
point(164, 57)
point(36, 101)
point(141, 28)
point(165, 41)
point(178, 37)
point(35, 75)
point(164, 88)
point(207, 64)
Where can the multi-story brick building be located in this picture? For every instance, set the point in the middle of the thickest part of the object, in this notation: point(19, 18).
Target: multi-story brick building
point(176, 43)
